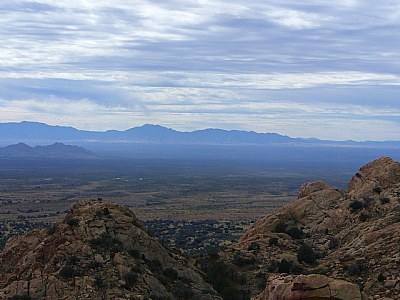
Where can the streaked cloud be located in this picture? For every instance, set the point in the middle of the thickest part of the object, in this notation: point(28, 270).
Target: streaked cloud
point(310, 68)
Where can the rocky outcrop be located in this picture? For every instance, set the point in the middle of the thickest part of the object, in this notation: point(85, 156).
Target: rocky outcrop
point(314, 286)
point(374, 178)
point(351, 235)
point(99, 251)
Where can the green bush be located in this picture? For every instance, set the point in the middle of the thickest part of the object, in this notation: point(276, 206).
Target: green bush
point(381, 277)
point(273, 241)
point(100, 282)
point(130, 279)
point(363, 217)
point(154, 266)
point(171, 273)
point(384, 200)
point(356, 269)
point(183, 292)
point(333, 243)
point(241, 260)
point(253, 247)
point(285, 266)
point(224, 278)
point(94, 265)
point(70, 272)
point(106, 242)
point(295, 233)
point(134, 253)
point(306, 254)
point(72, 222)
point(280, 227)
point(356, 205)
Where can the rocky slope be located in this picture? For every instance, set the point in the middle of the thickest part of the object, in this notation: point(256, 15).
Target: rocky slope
point(99, 251)
point(352, 235)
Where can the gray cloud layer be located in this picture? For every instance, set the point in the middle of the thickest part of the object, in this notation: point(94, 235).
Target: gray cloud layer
point(330, 70)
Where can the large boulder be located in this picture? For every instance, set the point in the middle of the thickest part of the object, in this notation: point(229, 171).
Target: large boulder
point(310, 287)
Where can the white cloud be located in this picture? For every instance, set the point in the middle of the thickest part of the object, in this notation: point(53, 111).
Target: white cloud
point(300, 68)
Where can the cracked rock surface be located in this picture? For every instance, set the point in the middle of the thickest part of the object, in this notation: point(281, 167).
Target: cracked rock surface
point(99, 251)
point(351, 235)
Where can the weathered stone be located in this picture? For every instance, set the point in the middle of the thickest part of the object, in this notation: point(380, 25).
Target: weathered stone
point(356, 233)
point(95, 260)
point(312, 287)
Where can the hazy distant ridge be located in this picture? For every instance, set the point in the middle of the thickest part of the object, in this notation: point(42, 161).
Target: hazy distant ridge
point(39, 132)
point(57, 150)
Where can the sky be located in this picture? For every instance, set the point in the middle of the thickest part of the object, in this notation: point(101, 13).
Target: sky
point(325, 69)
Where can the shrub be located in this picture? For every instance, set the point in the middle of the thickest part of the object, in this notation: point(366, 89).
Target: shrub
point(367, 201)
point(273, 241)
point(240, 260)
point(73, 222)
point(171, 273)
point(295, 233)
point(262, 282)
point(154, 266)
point(377, 189)
point(224, 278)
point(134, 253)
point(333, 243)
point(99, 282)
point(363, 217)
point(130, 279)
point(106, 242)
point(253, 246)
point(183, 292)
point(273, 266)
point(306, 254)
point(356, 268)
point(384, 200)
point(94, 265)
point(381, 277)
point(280, 227)
point(51, 230)
point(356, 205)
point(285, 266)
point(69, 272)
point(106, 211)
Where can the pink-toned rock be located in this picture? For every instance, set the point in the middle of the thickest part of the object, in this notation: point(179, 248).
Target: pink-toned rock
point(374, 177)
point(312, 187)
point(312, 287)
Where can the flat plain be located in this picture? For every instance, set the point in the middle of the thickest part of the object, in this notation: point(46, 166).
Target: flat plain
point(37, 192)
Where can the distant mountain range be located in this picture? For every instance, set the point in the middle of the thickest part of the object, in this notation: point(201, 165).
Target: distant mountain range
point(39, 133)
point(57, 150)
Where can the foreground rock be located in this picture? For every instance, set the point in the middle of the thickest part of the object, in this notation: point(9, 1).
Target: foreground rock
point(304, 287)
point(99, 251)
point(351, 235)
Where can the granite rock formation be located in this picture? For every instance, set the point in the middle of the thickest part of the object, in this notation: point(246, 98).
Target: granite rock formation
point(351, 235)
point(99, 251)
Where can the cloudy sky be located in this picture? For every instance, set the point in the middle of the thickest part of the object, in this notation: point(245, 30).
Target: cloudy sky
point(326, 69)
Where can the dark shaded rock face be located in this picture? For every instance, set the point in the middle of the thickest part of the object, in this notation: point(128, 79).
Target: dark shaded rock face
point(99, 251)
point(352, 235)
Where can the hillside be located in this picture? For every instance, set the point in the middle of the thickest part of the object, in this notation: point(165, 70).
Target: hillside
point(57, 150)
point(352, 235)
point(99, 251)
